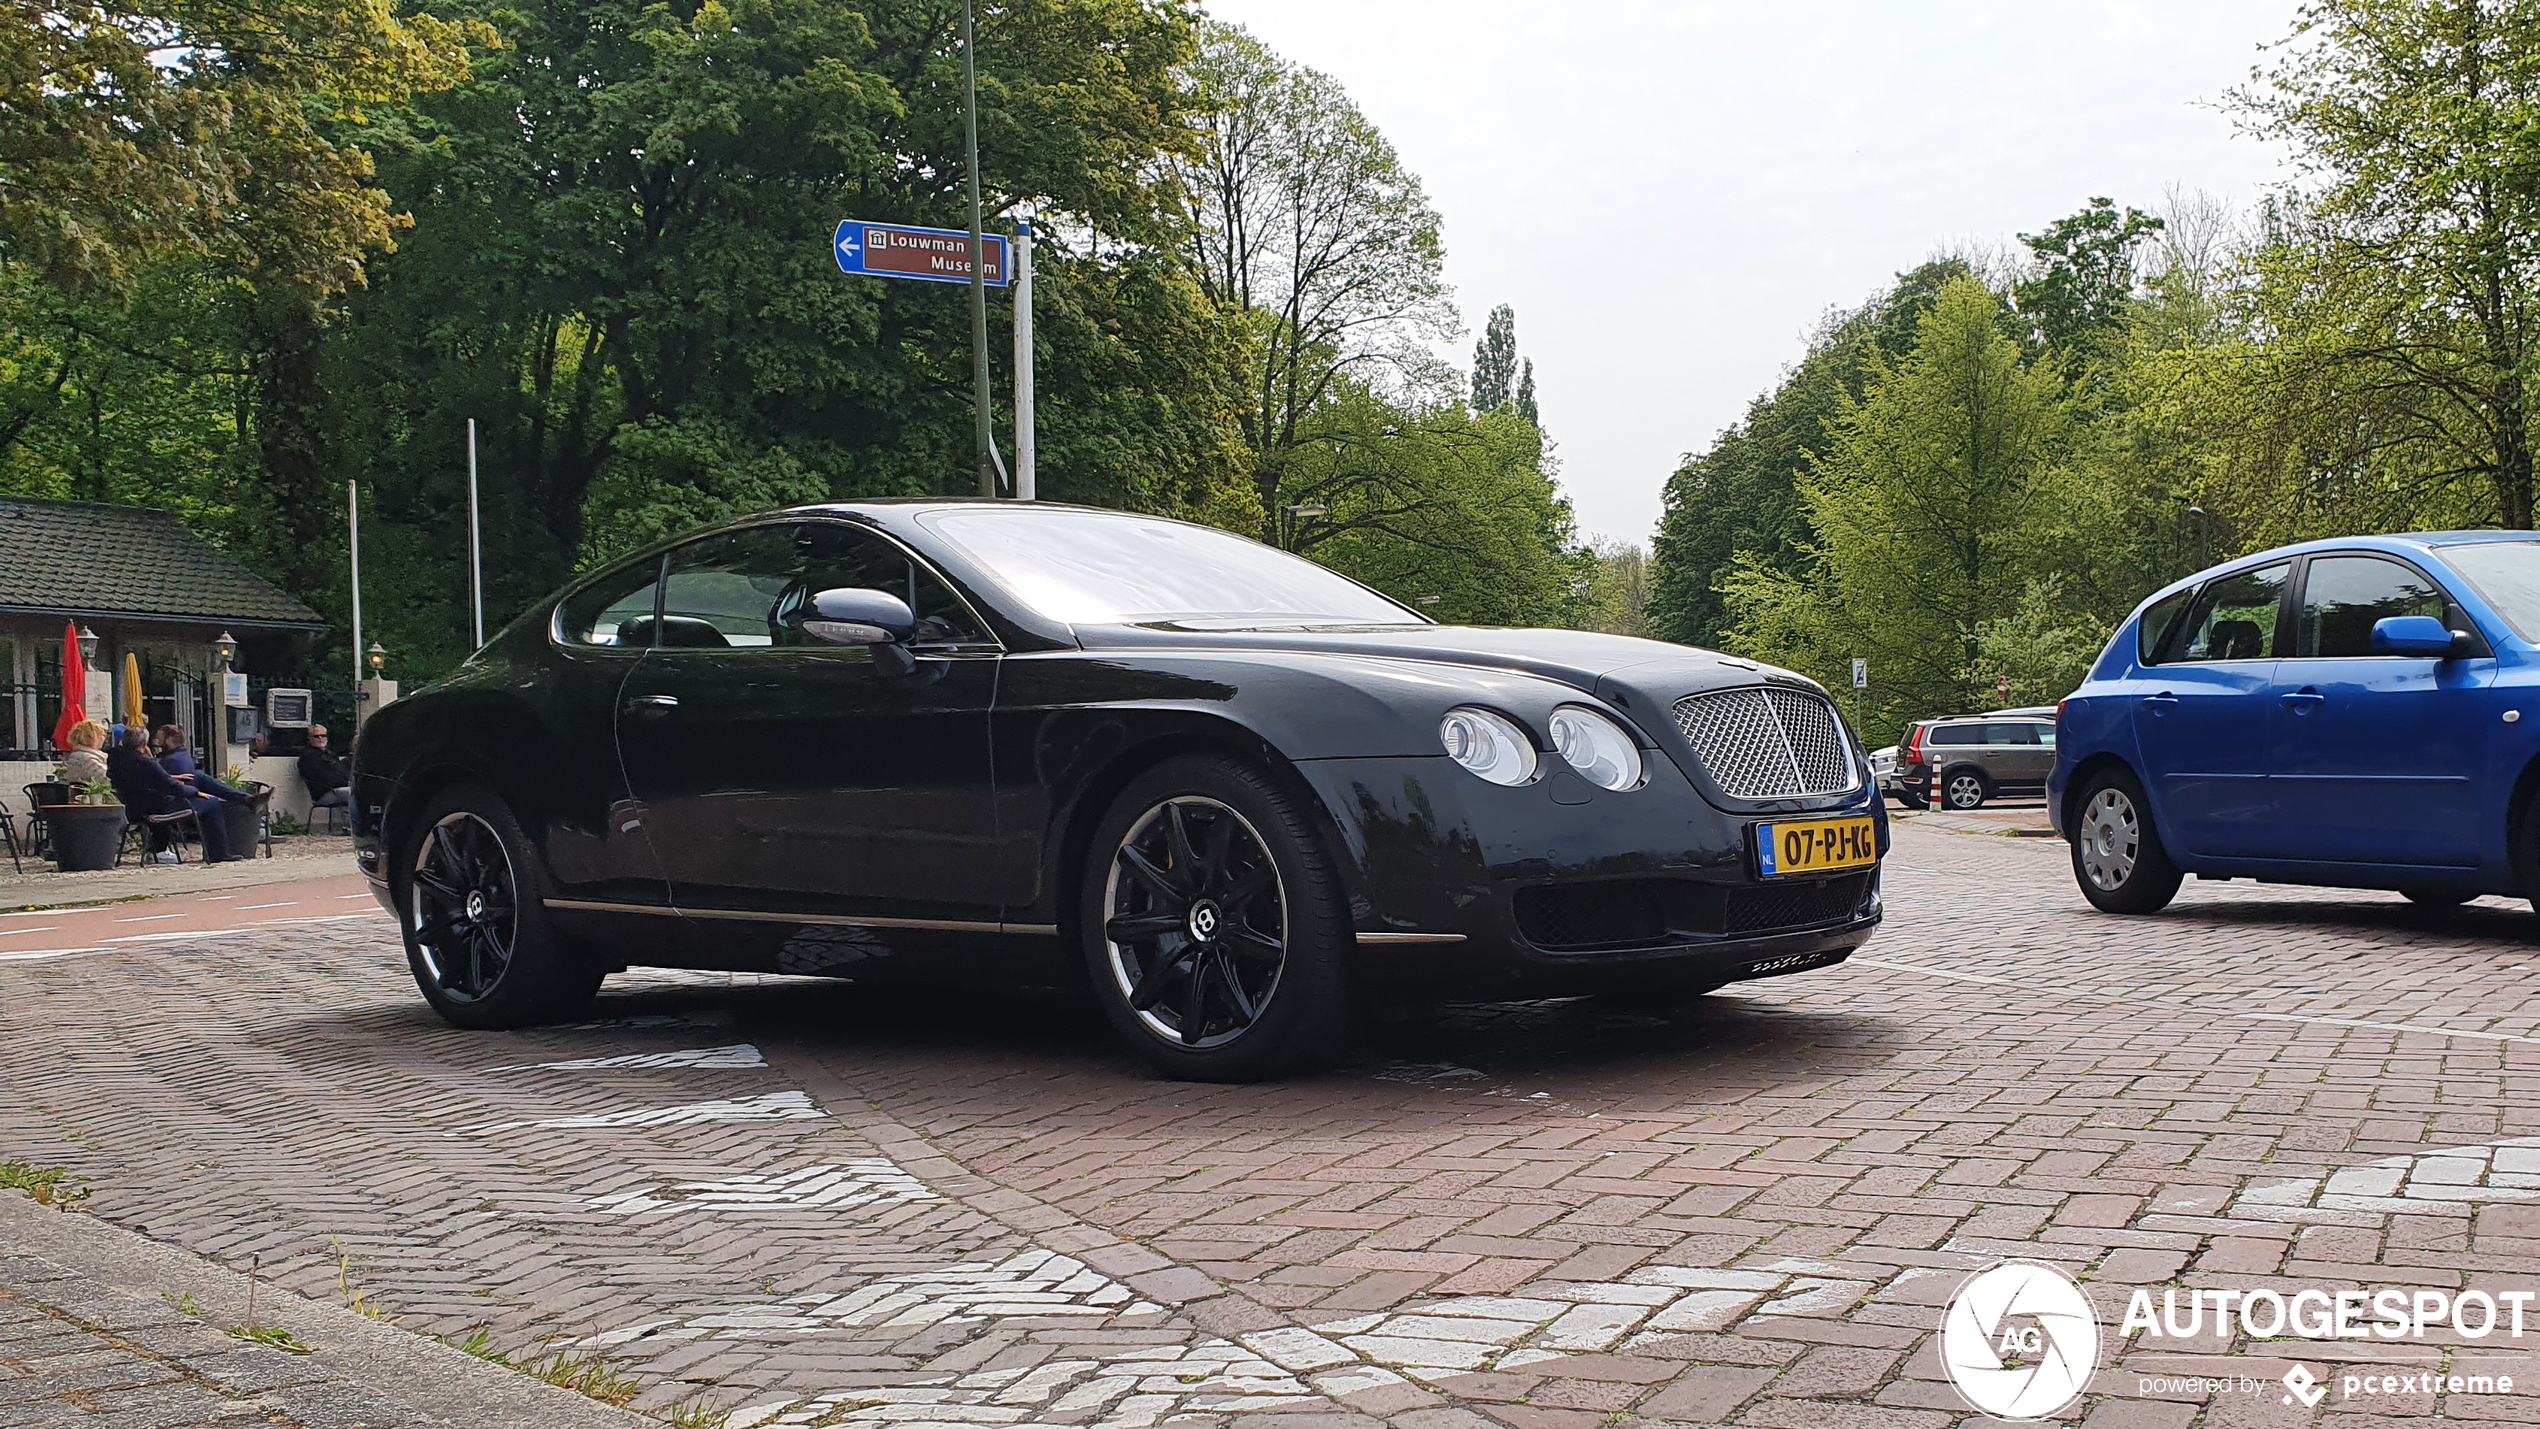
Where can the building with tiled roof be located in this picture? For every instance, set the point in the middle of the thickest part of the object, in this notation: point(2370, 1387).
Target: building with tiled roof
point(146, 587)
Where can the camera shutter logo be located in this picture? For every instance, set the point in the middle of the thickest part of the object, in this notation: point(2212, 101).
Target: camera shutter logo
point(2019, 1340)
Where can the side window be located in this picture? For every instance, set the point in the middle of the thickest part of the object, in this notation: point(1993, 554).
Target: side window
point(2234, 618)
point(2042, 734)
point(2342, 596)
point(836, 555)
point(2018, 733)
point(616, 609)
point(1957, 734)
point(722, 593)
point(2156, 624)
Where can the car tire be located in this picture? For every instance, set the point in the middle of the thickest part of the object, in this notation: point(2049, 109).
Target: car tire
point(2436, 897)
point(475, 922)
point(2117, 855)
point(1964, 789)
point(1912, 801)
point(1215, 929)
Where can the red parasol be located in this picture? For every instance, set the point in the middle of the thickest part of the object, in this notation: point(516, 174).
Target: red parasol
point(74, 688)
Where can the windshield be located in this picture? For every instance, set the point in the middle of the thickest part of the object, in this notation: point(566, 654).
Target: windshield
point(2507, 574)
point(1098, 568)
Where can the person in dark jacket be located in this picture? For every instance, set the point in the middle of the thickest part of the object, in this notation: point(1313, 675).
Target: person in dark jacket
point(146, 789)
point(323, 773)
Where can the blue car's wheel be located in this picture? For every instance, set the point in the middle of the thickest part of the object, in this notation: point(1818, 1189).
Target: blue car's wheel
point(2117, 855)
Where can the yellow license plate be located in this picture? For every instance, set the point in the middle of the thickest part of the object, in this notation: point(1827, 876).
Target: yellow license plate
point(1815, 846)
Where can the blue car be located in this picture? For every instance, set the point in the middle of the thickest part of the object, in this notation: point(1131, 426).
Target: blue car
point(2360, 713)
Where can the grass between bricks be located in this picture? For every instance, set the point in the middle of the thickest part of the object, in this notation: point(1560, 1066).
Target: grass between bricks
point(49, 1185)
point(592, 1377)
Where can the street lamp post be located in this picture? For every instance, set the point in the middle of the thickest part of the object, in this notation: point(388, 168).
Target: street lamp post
point(978, 261)
point(1297, 516)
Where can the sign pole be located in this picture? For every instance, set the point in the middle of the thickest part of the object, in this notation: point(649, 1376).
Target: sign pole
point(1026, 481)
point(353, 545)
point(475, 543)
point(978, 261)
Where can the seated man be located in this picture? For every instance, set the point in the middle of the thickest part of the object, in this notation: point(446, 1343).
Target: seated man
point(323, 773)
point(147, 790)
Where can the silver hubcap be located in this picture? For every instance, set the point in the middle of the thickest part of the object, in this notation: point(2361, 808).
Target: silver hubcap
point(1965, 791)
point(2111, 835)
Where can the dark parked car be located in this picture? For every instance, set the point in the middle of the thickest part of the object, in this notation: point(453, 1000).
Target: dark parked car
point(2356, 712)
point(1964, 760)
point(968, 740)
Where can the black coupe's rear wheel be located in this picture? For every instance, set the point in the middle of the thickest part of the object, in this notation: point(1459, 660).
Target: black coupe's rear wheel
point(476, 926)
point(1216, 937)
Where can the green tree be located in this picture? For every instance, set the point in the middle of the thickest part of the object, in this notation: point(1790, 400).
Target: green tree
point(1495, 360)
point(2083, 285)
point(1616, 600)
point(1311, 236)
point(1741, 498)
point(1937, 504)
point(2392, 309)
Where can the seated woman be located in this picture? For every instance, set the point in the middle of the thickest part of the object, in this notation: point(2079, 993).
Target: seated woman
point(86, 763)
point(147, 790)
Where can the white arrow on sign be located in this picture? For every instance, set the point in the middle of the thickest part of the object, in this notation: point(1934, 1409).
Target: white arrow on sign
point(847, 244)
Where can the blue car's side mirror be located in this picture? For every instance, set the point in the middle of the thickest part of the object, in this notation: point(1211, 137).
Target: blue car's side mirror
point(2411, 635)
point(854, 615)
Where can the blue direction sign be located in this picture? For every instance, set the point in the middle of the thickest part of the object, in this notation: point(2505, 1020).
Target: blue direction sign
point(933, 255)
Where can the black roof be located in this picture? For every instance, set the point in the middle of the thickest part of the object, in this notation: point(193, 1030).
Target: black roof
point(77, 558)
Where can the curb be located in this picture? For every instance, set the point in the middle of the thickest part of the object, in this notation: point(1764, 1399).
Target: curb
point(124, 1286)
point(1958, 825)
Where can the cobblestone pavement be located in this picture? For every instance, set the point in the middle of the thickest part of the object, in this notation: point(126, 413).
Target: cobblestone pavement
point(814, 1203)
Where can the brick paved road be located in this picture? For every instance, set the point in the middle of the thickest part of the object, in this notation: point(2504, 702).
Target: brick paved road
point(816, 1203)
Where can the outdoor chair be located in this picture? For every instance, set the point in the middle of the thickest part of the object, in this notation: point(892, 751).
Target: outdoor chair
point(164, 830)
point(9, 831)
point(339, 817)
point(39, 837)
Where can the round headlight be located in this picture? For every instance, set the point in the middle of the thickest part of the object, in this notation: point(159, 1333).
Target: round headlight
point(1597, 747)
point(1490, 745)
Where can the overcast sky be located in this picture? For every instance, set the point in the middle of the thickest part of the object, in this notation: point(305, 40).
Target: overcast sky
point(1776, 160)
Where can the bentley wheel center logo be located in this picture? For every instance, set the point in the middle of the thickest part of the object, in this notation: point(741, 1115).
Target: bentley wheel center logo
point(2019, 1341)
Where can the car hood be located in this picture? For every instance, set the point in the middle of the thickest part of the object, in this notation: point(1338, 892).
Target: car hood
point(1612, 667)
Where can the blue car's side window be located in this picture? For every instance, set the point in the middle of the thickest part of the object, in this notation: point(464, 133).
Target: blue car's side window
point(2342, 597)
point(2154, 628)
point(2235, 617)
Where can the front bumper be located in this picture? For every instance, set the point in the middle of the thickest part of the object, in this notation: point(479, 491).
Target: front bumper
point(1560, 886)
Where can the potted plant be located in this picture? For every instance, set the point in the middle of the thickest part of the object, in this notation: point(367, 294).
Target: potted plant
point(85, 831)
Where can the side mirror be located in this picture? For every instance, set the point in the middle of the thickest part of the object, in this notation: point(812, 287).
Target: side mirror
point(2413, 635)
point(873, 618)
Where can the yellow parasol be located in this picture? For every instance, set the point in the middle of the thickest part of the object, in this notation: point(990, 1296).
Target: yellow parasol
point(132, 689)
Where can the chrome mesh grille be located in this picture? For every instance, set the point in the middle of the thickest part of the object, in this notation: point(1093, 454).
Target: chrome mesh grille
point(1769, 743)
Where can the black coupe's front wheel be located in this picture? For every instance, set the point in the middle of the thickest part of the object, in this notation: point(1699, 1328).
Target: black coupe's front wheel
point(1214, 928)
point(477, 935)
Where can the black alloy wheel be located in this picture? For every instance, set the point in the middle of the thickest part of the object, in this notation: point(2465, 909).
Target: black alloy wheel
point(1215, 935)
point(2117, 855)
point(476, 929)
point(466, 906)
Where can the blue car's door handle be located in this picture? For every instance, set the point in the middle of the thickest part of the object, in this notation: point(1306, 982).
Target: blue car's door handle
point(2161, 703)
point(2304, 701)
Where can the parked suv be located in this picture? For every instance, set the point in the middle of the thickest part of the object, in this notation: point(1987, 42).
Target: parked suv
point(1964, 760)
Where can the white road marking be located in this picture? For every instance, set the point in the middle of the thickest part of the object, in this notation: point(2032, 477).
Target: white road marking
point(774, 1106)
point(2176, 1005)
point(22, 932)
point(865, 1181)
point(37, 955)
point(348, 897)
point(252, 907)
point(153, 918)
point(739, 1054)
point(2446, 1178)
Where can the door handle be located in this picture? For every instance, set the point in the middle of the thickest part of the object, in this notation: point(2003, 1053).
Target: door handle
point(2304, 701)
point(640, 703)
point(2161, 703)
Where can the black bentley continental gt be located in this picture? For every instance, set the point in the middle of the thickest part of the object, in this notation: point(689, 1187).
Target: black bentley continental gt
point(960, 740)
